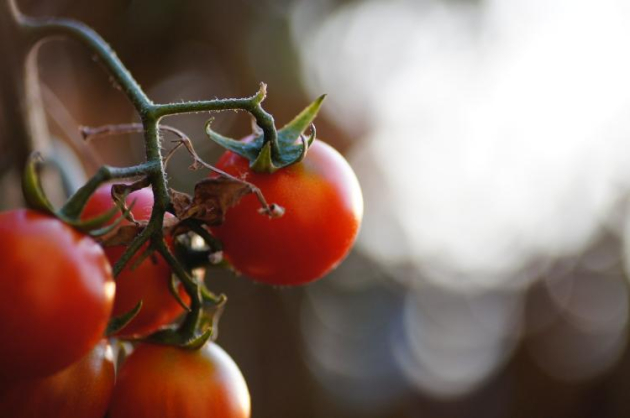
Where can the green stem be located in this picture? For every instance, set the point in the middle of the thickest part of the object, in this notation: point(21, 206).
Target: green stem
point(73, 207)
point(168, 109)
point(189, 326)
point(158, 177)
point(36, 30)
point(131, 250)
point(251, 104)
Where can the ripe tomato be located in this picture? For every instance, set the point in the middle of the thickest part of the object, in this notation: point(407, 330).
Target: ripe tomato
point(168, 382)
point(148, 281)
point(56, 294)
point(324, 207)
point(82, 390)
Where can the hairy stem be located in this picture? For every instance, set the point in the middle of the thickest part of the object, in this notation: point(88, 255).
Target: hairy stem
point(193, 289)
point(74, 205)
point(32, 32)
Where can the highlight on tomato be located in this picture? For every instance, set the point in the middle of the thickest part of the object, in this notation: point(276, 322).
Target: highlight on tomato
point(147, 281)
point(323, 211)
point(170, 382)
point(82, 390)
point(56, 294)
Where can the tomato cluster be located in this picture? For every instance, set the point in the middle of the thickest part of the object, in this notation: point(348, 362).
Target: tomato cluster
point(147, 281)
point(58, 295)
point(56, 298)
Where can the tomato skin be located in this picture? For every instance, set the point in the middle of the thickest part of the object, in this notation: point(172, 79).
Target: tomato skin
point(82, 390)
point(169, 382)
point(148, 281)
point(56, 294)
point(324, 208)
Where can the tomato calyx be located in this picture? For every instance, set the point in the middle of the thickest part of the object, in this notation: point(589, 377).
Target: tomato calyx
point(117, 323)
point(198, 327)
point(267, 154)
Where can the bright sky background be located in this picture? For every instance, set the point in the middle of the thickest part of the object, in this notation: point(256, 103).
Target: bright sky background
point(492, 136)
point(496, 133)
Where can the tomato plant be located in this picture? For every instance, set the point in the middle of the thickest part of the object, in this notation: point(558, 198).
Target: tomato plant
point(82, 390)
point(56, 294)
point(324, 207)
point(159, 381)
point(147, 281)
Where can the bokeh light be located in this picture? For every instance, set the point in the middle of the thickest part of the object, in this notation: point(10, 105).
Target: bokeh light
point(489, 136)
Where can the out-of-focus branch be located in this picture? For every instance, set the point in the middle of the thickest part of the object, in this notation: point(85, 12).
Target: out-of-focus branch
point(23, 125)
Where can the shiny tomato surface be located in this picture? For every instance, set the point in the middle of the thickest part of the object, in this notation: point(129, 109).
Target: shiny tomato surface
point(82, 390)
point(324, 208)
point(56, 294)
point(168, 382)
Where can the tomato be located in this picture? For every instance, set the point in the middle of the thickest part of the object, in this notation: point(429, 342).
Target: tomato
point(324, 207)
point(168, 382)
point(82, 390)
point(148, 281)
point(56, 294)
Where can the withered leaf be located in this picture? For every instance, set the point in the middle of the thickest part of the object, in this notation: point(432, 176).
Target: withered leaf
point(181, 202)
point(122, 235)
point(212, 198)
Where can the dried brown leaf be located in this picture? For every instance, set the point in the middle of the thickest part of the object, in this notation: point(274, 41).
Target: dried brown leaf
point(211, 200)
point(181, 202)
point(122, 235)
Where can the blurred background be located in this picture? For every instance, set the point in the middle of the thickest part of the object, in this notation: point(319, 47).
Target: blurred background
point(490, 278)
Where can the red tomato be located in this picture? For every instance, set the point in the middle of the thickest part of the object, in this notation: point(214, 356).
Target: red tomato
point(159, 381)
point(82, 390)
point(324, 207)
point(148, 281)
point(56, 294)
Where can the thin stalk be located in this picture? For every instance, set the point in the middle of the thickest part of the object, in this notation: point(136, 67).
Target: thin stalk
point(190, 323)
point(74, 205)
point(34, 31)
point(251, 104)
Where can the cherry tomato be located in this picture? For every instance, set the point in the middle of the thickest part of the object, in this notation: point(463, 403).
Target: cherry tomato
point(82, 390)
point(148, 281)
point(56, 294)
point(324, 207)
point(168, 382)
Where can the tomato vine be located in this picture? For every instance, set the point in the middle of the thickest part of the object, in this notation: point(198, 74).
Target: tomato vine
point(33, 31)
point(319, 194)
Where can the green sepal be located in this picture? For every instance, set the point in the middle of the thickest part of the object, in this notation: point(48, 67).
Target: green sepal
point(32, 188)
point(213, 298)
point(264, 161)
point(213, 309)
point(117, 323)
point(172, 287)
point(200, 340)
point(109, 228)
point(170, 336)
point(290, 132)
point(291, 149)
point(97, 222)
point(247, 149)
